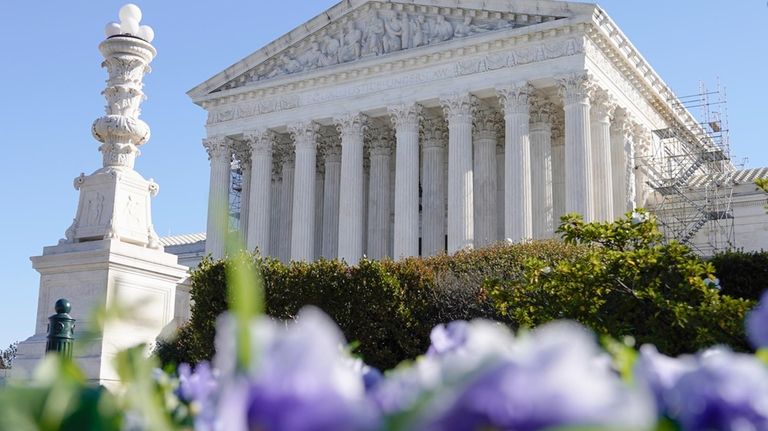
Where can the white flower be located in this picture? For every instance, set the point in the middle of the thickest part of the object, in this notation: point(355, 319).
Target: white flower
point(638, 218)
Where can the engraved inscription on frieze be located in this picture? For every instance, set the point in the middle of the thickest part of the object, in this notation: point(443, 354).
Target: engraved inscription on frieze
point(377, 31)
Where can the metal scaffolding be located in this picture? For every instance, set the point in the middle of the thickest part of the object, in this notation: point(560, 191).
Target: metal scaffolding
point(235, 196)
point(691, 174)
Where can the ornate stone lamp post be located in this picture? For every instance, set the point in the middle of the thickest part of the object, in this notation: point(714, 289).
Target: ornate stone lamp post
point(111, 256)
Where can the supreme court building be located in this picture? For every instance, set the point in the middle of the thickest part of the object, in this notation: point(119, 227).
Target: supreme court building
point(396, 128)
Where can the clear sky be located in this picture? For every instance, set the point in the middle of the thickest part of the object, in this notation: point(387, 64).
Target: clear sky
point(51, 76)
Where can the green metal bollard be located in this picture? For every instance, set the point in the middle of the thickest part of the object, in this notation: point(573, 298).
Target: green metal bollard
point(61, 330)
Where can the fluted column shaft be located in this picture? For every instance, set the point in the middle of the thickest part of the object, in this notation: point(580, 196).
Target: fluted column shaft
point(541, 170)
point(578, 158)
point(558, 170)
point(317, 253)
point(406, 227)
point(243, 154)
point(305, 174)
point(500, 186)
point(331, 202)
point(458, 112)
point(351, 128)
point(434, 140)
point(274, 214)
point(378, 196)
point(286, 204)
point(602, 176)
point(260, 191)
point(518, 223)
point(220, 155)
point(619, 142)
point(485, 134)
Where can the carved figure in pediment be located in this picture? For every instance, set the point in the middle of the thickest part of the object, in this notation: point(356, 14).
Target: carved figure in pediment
point(329, 51)
point(440, 30)
point(353, 39)
point(419, 36)
point(374, 35)
point(394, 29)
point(463, 28)
point(310, 58)
point(405, 24)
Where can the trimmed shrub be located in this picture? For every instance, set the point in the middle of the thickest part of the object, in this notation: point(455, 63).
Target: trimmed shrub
point(618, 279)
point(742, 274)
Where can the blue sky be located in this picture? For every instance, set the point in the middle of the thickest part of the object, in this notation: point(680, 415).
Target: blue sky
point(52, 83)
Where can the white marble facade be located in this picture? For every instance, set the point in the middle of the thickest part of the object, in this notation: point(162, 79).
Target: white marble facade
point(396, 128)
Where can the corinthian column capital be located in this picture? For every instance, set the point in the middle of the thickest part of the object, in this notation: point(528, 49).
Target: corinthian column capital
point(217, 147)
point(351, 125)
point(434, 132)
point(487, 121)
point(603, 105)
point(304, 135)
point(261, 142)
point(576, 87)
point(406, 115)
point(541, 110)
point(515, 98)
point(458, 107)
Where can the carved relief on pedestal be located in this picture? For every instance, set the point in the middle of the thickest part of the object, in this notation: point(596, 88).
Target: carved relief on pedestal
point(377, 30)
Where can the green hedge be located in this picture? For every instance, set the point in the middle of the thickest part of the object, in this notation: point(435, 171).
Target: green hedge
point(742, 274)
point(616, 278)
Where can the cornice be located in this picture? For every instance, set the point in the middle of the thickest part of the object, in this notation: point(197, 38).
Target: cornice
point(625, 57)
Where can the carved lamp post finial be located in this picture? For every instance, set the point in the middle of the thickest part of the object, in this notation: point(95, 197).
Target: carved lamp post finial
point(127, 53)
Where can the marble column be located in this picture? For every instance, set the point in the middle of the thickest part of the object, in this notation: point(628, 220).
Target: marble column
point(458, 112)
point(500, 185)
point(575, 90)
point(220, 155)
point(380, 148)
point(558, 166)
point(331, 196)
point(405, 118)
point(242, 153)
point(317, 253)
point(602, 177)
point(434, 137)
point(642, 139)
point(351, 128)
point(303, 223)
point(541, 169)
point(518, 223)
point(486, 125)
point(260, 190)
point(274, 212)
point(620, 140)
point(286, 201)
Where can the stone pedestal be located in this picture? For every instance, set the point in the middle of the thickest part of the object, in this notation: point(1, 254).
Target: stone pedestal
point(137, 284)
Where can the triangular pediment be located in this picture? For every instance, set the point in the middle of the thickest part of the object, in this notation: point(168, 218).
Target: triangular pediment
point(353, 31)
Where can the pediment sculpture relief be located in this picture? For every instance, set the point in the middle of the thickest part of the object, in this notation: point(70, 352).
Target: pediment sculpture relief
point(374, 33)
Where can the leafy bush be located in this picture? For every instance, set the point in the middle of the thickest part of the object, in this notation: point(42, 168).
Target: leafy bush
point(629, 283)
point(388, 308)
point(742, 274)
point(8, 355)
point(619, 279)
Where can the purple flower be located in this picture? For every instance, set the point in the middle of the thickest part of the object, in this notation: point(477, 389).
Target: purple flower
point(660, 373)
point(757, 324)
point(301, 378)
point(554, 377)
point(199, 389)
point(448, 338)
point(727, 391)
